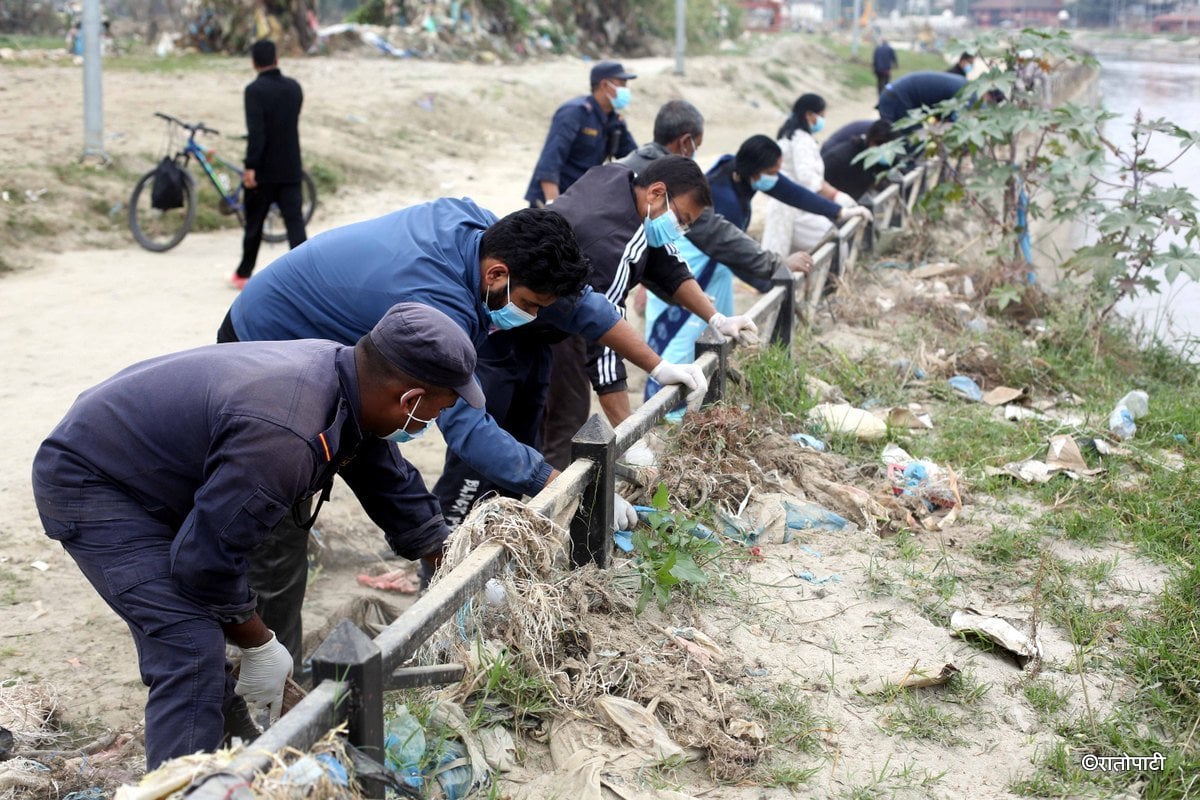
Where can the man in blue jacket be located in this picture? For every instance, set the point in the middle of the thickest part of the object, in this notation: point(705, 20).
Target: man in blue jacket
point(163, 479)
point(490, 276)
point(584, 133)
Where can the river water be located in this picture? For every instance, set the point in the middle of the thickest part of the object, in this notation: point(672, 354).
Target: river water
point(1170, 91)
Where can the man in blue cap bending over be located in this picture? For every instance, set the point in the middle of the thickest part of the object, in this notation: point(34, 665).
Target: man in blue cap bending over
point(161, 480)
point(585, 132)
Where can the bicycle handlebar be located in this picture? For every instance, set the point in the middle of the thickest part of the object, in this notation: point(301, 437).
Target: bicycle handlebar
point(199, 127)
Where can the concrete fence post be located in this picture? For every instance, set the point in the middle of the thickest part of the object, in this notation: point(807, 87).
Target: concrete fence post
point(348, 655)
point(786, 321)
point(591, 528)
point(712, 342)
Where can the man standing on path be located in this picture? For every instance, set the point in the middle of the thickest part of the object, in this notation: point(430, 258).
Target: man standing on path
point(585, 132)
point(882, 61)
point(273, 170)
point(161, 481)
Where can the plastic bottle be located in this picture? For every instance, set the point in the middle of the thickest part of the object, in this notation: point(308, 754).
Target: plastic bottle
point(1129, 408)
point(404, 747)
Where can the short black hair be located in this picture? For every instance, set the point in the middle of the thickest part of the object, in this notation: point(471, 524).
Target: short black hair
point(756, 154)
point(879, 132)
point(796, 120)
point(677, 118)
point(539, 247)
point(681, 175)
point(263, 53)
point(965, 54)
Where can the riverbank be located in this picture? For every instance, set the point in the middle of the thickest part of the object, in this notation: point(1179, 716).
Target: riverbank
point(1098, 568)
point(1170, 48)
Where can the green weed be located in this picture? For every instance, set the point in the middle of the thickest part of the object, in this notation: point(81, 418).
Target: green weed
point(670, 555)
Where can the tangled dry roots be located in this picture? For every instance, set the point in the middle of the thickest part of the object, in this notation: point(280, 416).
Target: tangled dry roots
point(536, 545)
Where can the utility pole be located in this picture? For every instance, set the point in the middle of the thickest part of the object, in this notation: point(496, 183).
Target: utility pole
point(854, 29)
point(93, 100)
point(680, 34)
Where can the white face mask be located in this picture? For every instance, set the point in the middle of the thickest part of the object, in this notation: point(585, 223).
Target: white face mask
point(400, 435)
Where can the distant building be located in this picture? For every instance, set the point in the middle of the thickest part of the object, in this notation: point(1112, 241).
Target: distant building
point(764, 15)
point(1016, 13)
point(1185, 21)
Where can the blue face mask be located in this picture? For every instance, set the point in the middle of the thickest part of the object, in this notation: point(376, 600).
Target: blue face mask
point(765, 182)
point(622, 98)
point(400, 436)
point(663, 229)
point(511, 316)
point(817, 126)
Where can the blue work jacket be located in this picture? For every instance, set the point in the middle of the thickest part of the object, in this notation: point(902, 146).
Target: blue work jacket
point(218, 443)
point(731, 199)
point(581, 136)
point(338, 284)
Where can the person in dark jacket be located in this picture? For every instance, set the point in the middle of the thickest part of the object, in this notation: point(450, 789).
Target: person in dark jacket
point(273, 170)
point(917, 90)
point(628, 225)
point(842, 149)
point(584, 133)
point(161, 481)
point(491, 277)
point(964, 65)
point(883, 60)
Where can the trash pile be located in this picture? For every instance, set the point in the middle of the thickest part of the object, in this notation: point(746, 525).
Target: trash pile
point(40, 760)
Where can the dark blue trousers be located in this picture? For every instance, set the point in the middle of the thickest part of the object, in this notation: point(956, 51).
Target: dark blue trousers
point(514, 371)
point(180, 645)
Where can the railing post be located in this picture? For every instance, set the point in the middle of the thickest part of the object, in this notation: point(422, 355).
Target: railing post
point(348, 655)
point(786, 321)
point(592, 525)
point(711, 341)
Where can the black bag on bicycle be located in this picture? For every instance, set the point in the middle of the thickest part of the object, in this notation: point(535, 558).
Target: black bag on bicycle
point(170, 183)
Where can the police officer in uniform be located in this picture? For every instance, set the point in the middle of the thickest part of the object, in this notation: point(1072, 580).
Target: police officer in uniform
point(585, 132)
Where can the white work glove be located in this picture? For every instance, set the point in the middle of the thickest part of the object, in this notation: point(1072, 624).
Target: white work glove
point(850, 212)
point(738, 327)
point(844, 200)
point(689, 375)
point(264, 670)
point(624, 517)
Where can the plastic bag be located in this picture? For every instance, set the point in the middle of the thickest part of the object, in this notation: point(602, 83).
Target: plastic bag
point(170, 183)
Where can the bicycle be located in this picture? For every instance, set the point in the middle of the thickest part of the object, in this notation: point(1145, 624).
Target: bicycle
point(159, 230)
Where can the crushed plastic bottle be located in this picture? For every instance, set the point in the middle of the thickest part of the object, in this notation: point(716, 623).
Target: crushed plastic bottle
point(404, 747)
point(1129, 408)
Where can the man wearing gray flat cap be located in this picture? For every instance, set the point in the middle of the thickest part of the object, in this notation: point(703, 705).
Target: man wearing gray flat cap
point(584, 133)
point(161, 480)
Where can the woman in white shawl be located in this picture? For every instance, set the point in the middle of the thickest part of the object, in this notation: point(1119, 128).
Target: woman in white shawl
point(787, 229)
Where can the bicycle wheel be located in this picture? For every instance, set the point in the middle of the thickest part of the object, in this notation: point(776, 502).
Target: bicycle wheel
point(156, 229)
point(274, 230)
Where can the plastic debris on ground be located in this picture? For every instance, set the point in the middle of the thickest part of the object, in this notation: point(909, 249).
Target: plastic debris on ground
point(906, 368)
point(810, 442)
point(1129, 408)
point(935, 269)
point(806, 575)
point(914, 416)
point(916, 677)
point(1000, 631)
point(932, 486)
point(404, 747)
point(802, 515)
point(402, 580)
point(966, 387)
point(844, 418)
point(1063, 457)
point(823, 392)
point(1003, 395)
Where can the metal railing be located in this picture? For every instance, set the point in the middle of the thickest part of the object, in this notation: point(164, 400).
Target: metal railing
point(352, 672)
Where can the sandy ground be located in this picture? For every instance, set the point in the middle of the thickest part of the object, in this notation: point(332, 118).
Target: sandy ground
point(73, 317)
